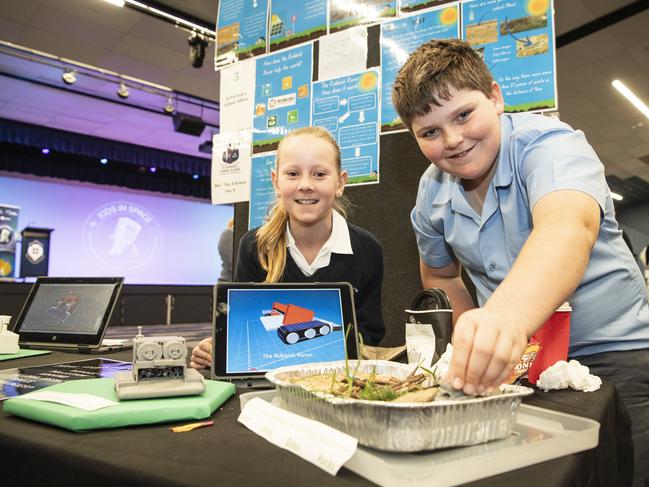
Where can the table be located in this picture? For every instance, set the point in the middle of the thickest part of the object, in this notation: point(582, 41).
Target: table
point(227, 453)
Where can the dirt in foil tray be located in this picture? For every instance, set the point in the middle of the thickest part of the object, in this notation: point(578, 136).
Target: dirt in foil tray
point(374, 387)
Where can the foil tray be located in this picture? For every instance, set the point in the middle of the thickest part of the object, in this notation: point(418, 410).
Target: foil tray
point(401, 427)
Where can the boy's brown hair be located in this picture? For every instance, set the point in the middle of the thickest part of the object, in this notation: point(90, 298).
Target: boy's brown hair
point(431, 70)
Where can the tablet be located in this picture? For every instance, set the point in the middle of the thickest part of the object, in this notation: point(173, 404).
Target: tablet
point(259, 327)
point(67, 312)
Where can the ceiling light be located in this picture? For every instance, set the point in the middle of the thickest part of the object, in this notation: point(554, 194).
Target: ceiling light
point(69, 77)
point(169, 106)
point(629, 95)
point(122, 91)
point(153, 169)
point(103, 160)
point(616, 197)
point(45, 150)
point(195, 176)
point(118, 3)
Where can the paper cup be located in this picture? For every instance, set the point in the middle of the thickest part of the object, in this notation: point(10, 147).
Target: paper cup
point(442, 322)
point(554, 338)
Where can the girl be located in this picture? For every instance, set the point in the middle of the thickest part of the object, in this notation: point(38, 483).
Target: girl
point(306, 237)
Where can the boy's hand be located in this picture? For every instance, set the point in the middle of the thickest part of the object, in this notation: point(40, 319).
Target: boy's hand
point(486, 347)
point(202, 354)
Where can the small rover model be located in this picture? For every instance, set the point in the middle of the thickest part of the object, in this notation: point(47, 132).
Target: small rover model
point(159, 370)
point(295, 324)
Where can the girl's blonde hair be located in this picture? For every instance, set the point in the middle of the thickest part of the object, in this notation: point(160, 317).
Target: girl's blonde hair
point(271, 236)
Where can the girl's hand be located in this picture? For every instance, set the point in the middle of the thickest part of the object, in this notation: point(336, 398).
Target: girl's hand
point(202, 354)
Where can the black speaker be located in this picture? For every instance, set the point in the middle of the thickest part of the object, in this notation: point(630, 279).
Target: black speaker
point(188, 124)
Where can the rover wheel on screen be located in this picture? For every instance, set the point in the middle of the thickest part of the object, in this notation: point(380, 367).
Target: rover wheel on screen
point(297, 332)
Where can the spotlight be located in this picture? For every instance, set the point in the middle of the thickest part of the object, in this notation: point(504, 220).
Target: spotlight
point(122, 91)
point(45, 150)
point(153, 169)
point(206, 147)
point(103, 160)
point(197, 44)
point(195, 176)
point(169, 106)
point(69, 77)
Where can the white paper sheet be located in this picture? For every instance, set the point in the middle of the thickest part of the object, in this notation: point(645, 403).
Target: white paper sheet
point(88, 402)
point(237, 95)
point(319, 444)
point(231, 162)
point(342, 53)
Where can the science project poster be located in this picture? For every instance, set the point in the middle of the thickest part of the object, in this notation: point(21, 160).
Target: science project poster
point(344, 14)
point(516, 41)
point(294, 22)
point(240, 30)
point(282, 96)
point(262, 193)
point(349, 108)
point(398, 39)
point(409, 6)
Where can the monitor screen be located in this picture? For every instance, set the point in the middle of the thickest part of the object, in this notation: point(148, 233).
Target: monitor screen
point(270, 328)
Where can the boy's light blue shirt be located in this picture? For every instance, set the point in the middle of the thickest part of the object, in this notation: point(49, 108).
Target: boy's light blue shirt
point(538, 155)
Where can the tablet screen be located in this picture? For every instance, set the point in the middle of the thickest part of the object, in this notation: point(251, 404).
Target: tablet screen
point(68, 311)
point(269, 327)
point(65, 308)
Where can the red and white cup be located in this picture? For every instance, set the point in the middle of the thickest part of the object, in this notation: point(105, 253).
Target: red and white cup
point(554, 338)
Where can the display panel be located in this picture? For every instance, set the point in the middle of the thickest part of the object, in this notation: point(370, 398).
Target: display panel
point(63, 308)
point(261, 327)
point(100, 231)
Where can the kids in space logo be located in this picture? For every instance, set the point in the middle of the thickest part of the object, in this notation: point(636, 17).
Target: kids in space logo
point(121, 235)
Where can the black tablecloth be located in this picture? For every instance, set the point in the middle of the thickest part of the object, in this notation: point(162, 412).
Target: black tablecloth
point(229, 454)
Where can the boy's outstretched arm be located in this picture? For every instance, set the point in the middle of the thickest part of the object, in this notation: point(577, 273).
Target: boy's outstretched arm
point(489, 341)
point(448, 279)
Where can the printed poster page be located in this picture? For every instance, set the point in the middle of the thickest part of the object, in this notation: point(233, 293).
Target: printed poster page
point(237, 96)
point(8, 230)
point(349, 108)
point(407, 7)
point(262, 193)
point(344, 14)
point(19, 381)
point(516, 41)
point(241, 27)
point(282, 96)
point(293, 23)
point(401, 37)
point(230, 167)
point(342, 53)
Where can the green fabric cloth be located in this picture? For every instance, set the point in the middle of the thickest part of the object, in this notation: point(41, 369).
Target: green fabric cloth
point(22, 354)
point(125, 413)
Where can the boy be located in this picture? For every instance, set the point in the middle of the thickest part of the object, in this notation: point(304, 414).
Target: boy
point(521, 203)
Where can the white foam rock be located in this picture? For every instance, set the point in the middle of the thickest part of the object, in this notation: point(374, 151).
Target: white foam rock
point(563, 375)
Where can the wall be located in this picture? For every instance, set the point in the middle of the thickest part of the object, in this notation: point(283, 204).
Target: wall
point(634, 221)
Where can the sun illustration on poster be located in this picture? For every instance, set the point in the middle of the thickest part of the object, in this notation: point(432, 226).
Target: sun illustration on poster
point(448, 16)
point(537, 7)
point(368, 81)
